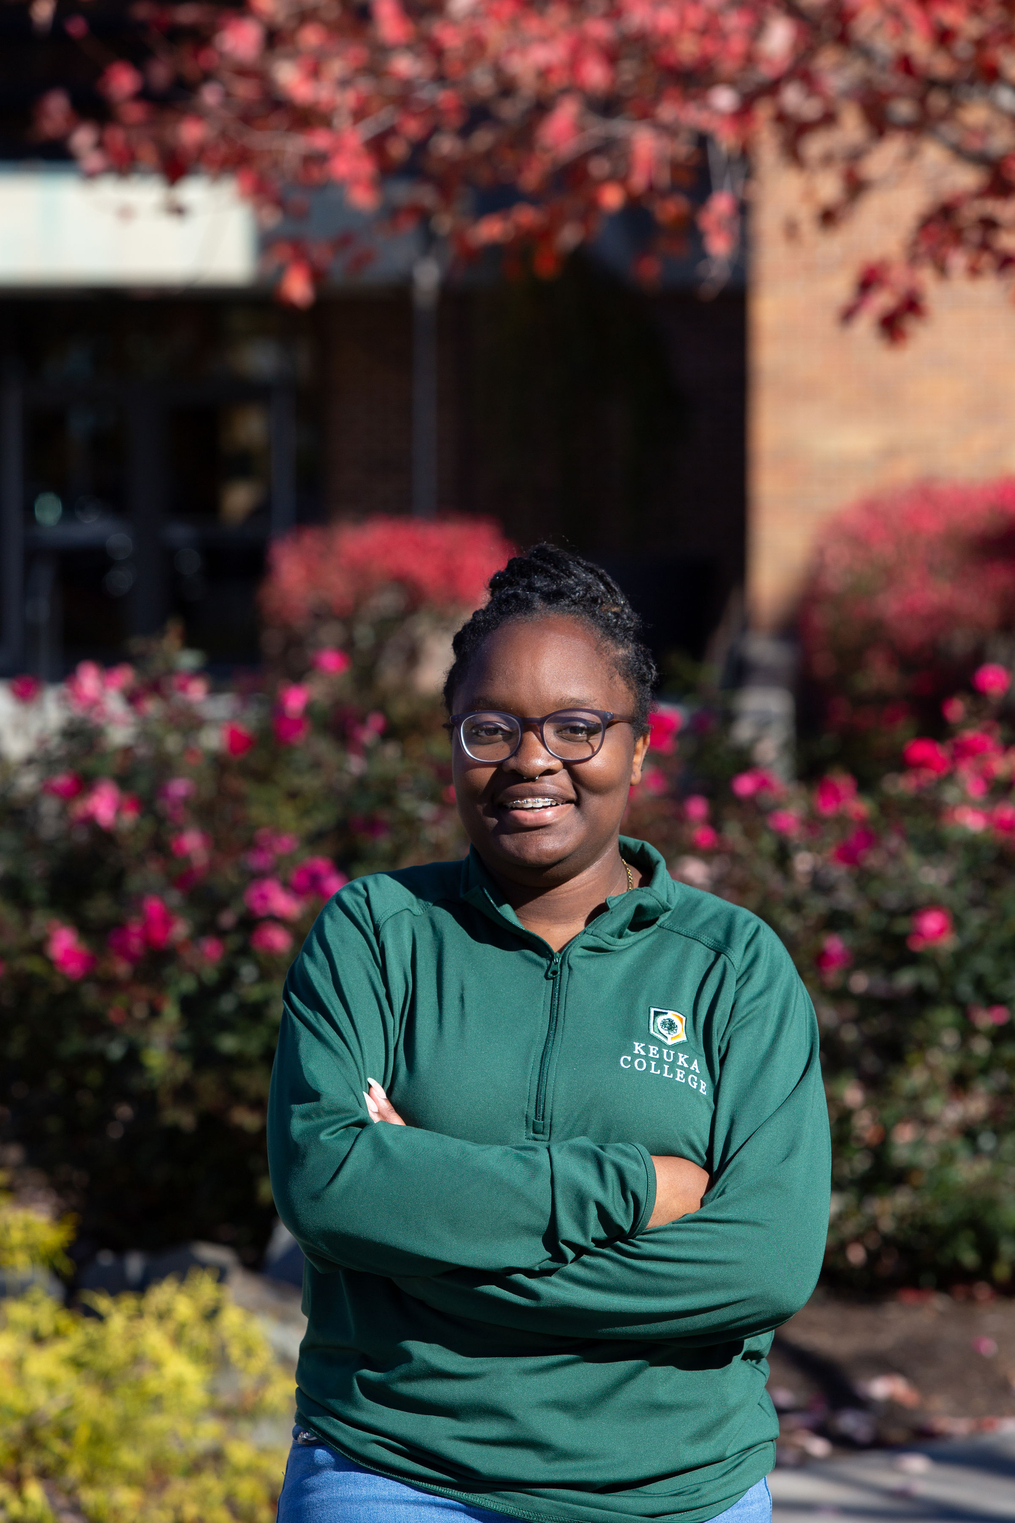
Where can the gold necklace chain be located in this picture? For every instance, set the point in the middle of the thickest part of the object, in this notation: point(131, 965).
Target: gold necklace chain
point(630, 880)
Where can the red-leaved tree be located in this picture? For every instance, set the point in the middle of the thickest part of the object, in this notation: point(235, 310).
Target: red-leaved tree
point(527, 121)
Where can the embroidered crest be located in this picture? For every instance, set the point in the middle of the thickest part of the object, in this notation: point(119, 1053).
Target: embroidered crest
point(667, 1026)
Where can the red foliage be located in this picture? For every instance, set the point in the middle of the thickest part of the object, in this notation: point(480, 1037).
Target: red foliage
point(334, 571)
point(905, 594)
point(567, 112)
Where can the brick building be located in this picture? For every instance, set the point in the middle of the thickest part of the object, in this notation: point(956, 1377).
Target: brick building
point(833, 413)
point(160, 422)
point(174, 420)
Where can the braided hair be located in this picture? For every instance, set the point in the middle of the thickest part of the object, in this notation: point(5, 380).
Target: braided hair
point(547, 580)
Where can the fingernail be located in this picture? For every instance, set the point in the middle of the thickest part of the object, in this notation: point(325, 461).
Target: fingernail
point(379, 1087)
point(371, 1107)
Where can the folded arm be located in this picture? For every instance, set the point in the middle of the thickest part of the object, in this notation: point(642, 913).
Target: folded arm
point(749, 1258)
point(399, 1200)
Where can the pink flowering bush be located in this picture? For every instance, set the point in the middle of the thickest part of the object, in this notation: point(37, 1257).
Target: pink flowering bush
point(908, 595)
point(896, 902)
point(159, 866)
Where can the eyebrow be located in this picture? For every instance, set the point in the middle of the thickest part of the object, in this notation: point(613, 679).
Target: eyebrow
point(482, 702)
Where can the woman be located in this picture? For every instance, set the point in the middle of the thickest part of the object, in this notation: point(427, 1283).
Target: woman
point(548, 1126)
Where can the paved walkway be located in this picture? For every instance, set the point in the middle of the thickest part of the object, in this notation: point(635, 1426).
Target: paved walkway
point(967, 1481)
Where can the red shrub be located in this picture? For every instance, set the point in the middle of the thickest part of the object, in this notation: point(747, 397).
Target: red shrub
point(334, 571)
point(906, 593)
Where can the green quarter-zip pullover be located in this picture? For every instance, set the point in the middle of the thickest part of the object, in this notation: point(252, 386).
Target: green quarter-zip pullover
point(488, 1316)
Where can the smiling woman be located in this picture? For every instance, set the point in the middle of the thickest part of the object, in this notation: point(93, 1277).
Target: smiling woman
point(540, 1285)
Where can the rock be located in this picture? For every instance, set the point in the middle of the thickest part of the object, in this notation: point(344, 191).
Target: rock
point(283, 1258)
point(117, 1272)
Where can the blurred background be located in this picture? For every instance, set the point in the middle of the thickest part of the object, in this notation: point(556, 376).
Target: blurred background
point(304, 328)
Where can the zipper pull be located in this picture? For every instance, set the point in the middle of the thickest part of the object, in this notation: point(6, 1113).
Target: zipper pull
point(554, 967)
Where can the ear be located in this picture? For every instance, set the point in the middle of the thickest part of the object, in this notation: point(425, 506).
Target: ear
point(638, 760)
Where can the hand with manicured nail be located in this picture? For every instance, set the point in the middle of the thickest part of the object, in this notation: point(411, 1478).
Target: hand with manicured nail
point(379, 1106)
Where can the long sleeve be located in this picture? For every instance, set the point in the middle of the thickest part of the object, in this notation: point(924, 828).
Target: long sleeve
point(403, 1200)
point(749, 1258)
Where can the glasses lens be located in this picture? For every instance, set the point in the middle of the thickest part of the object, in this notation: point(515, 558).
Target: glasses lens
point(573, 734)
point(489, 737)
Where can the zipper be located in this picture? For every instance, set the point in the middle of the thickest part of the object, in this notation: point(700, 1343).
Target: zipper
point(552, 973)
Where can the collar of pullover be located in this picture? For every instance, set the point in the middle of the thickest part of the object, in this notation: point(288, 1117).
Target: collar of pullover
point(627, 914)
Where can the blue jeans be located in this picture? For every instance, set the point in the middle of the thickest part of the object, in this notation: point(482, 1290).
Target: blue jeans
point(322, 1486)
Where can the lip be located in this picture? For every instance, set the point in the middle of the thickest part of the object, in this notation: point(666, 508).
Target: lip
point(532, 819)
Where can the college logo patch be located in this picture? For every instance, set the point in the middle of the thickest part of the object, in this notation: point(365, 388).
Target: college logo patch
point(667, 1026)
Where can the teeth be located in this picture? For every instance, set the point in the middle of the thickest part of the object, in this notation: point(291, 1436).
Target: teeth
point(534, 803)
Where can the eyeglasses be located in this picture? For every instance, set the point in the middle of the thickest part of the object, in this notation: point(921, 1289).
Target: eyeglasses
point(571, 735)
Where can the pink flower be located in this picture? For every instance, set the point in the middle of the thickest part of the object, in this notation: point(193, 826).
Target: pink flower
point(993, 1015)
point(158, 924)
point(704, 838)
point(289, 728)
point(130, 808)
point(663, 727)
point(85, 687)
point(190, 686)
point(784, 822)
point(973, 743)
point(116, 679)
point(747, 785)
point(1002, 817)
point(991, 679)
point(654, 781)
point(927, 756)
point(282, 842)
point(366, 733)
point(293, 699)
point(101, 805)
point(270, 937)
point(317, 877)
point(211, 948)
point(954, 710)
point(930, 926)
point(177, 789)
point(968, 817)
point(833, 957)
point(25, 689)
point(855, 847)
point(269, 845)
point(64, 785)
point(331, 660)
point(191, 843)
point(236, 739)
point(833, 792)
point(697, 808)
point(66, 952)
point(128, 941)
point(266, 896)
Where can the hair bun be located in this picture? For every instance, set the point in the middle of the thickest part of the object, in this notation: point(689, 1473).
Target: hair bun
point(548, 579)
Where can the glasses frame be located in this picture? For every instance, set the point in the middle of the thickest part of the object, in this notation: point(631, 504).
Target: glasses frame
point(457, 721)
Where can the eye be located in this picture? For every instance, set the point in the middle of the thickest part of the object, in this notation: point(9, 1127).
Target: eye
point(488, 731)
point(578, 729)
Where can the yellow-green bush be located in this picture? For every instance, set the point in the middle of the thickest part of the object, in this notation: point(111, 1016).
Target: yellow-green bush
point(29, 1241)
point(144, 1409)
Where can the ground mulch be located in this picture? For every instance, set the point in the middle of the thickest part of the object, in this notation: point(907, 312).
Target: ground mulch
point(922, 1364)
